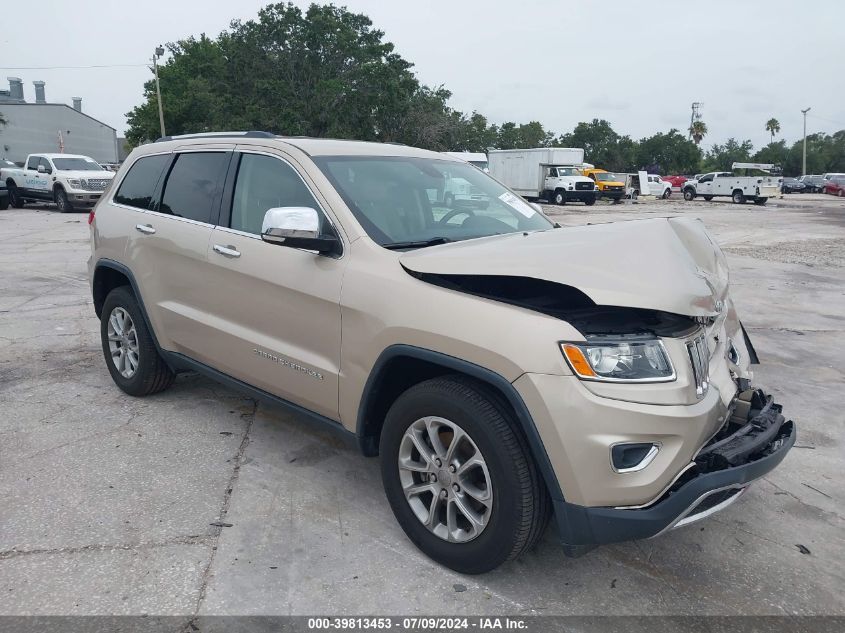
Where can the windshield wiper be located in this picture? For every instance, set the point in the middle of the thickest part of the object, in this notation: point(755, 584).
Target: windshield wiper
point(434, 241)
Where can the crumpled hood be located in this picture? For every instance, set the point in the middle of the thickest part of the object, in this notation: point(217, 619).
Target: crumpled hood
point(668, 264)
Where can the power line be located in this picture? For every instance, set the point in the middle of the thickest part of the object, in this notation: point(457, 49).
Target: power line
point(816, 116)
point(71, 67)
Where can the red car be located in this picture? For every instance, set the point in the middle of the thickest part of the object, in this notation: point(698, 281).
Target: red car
point(835, 186)
point(675, 181)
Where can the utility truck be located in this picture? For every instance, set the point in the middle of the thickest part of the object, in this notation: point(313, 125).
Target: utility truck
point(548, 173)
point(740, 188)
point(69, 180)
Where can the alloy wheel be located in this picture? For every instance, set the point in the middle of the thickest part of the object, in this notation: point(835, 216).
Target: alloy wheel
point(123, 342)
point(445, 479)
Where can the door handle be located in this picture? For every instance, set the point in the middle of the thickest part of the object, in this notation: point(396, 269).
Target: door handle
point(145, 228)
point(228, 251)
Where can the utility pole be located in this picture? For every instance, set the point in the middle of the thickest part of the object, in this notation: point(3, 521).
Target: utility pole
point(695, 116)
point(158, 53)
point(804, 162)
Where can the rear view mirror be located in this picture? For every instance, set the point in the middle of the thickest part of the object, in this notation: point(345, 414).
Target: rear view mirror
point(297, 227)
point(40, 169)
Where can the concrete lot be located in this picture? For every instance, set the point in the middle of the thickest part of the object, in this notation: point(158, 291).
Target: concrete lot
point(108, 501)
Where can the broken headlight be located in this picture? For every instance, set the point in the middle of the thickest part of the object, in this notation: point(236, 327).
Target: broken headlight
point(616, 360)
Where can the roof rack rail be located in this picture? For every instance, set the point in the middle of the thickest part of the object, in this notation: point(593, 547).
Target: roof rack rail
point(250, 134)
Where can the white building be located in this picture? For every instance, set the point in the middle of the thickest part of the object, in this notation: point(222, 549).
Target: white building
point(33, 127)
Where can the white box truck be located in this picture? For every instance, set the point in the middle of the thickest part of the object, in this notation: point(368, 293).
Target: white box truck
point(548, 173)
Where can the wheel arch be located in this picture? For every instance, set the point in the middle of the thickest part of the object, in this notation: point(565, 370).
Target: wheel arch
point(401, 366)
point(108, 275)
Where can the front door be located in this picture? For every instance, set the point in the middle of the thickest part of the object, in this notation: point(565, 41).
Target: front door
point(276, 311)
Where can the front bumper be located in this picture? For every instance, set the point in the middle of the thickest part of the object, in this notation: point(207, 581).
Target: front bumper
point(582, 195)
point(717, 477)
point(612, 194)
point(84, 199)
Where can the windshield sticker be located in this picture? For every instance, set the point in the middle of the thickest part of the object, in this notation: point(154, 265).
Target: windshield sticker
point(518, 204)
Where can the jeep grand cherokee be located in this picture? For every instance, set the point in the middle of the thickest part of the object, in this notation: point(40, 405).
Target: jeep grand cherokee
point(506, 370)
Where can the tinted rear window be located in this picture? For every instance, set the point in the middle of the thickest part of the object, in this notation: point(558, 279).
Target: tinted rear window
point(138, 186)
point(193, 184)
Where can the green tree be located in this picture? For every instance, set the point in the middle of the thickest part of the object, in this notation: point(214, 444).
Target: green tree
point(825, 152)
point(669, 153)
point(722, 157)
point(773, 127)
point(523, 136)
point(698, 130)
point(602, 145)
point(325, 72)
point(775, 153)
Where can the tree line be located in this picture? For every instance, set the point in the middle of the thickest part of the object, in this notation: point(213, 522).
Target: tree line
point(326, 72)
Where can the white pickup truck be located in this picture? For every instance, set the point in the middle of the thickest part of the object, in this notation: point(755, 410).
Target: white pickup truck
point(70, 180)
point(740, 189)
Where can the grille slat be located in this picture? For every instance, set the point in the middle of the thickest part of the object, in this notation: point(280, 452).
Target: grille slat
point(700, 360)
point(97, 184)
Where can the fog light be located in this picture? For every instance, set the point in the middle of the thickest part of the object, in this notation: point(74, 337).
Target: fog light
point(633, 457)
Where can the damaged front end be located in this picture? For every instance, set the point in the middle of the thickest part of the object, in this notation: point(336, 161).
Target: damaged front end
point(752, 442)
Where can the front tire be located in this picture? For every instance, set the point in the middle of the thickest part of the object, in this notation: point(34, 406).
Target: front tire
point(459, 477)
point(559, 198)
point(62, 202)
point(131, 355)
point(738, 197)
point(689, 195)
point(590, 201)
point(15, 198)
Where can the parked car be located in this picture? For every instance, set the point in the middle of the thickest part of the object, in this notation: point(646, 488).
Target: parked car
point(675, 181)
point(503, 368)
point(607, 183)
point(741, 189)
point(835, 186)
point(69, 180)
point(552, 174)
point(830, 175)
point(792, 185)
point(812, 184)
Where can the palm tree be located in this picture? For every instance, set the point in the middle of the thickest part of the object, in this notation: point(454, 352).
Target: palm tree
point(698, 130)
point(773, 127)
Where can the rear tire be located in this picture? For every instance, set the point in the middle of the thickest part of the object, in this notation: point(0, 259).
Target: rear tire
point(62, 202)
point(590, 201)
point(666, 194)
point(506, 475)
point(142, 371)
point(15, 197)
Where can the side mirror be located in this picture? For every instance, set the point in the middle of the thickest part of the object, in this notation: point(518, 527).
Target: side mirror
point(40, 169)
point(536, 207)
point(297, 227)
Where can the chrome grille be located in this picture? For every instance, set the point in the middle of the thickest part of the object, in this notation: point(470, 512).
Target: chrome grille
point(699, 356)
point(97, 184)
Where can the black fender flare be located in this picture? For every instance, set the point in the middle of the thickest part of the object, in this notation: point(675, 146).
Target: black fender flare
point(482, 374)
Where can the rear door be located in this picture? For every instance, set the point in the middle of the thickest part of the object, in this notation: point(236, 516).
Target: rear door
point(168, 249)
point(276, 314)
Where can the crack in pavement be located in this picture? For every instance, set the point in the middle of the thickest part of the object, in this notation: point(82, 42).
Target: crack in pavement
point(190, 625)
point(191, 539)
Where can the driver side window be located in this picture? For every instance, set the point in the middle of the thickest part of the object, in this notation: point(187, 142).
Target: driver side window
point(263, 183)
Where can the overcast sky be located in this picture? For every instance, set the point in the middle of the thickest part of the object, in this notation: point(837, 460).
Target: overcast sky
point(637, 64)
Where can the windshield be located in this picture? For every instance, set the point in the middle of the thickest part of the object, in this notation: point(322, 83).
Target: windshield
point(76, 164)
point(604, 177)
point(568, 171)
point(402, 200)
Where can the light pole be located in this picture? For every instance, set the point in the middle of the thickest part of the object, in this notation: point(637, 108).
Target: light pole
point(158, 53)
point(804, 162)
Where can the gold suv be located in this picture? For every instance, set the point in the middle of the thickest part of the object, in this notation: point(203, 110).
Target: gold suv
point(506, 370)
